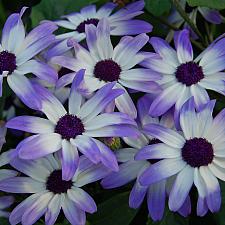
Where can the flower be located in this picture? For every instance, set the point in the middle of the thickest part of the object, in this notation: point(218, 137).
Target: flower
point(76, 129)
point(49, 192)
point(131, 169)
point(105, 64)
point(184, 77)
point(3, 131)
point(16, 52)
point(194, 156)
point(120, 22)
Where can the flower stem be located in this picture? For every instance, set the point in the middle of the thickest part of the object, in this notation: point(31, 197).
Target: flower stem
point(186, 18)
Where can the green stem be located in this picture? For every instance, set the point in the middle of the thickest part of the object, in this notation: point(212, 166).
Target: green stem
point(186, 18)
point(197, 44)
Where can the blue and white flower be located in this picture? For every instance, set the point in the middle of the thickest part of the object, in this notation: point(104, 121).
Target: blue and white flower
point(194, 156)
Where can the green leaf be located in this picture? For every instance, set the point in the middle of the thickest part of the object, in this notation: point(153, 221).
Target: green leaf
point(114, 211)
point(53, 9)
point(4, 221)
point(158, 7)
point(214, 4)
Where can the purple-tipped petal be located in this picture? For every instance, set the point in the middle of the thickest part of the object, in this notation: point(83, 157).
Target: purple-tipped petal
point(156, 200)
point(127, 172)
point(137, 195)
point(161, 170)
point(70, 159)
point(87, 146)
point(31, 124)
point(82, 199)
point(211, 15)
point(39, 145)
point(24, 90)
point(40, 69)
point(181, 188)
point(184, 47)
point(166, 135)
point(73, 213)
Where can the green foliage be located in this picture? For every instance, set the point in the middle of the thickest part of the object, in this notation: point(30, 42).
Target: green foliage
point(214, 4)
point(114, 211)
point(53, 9)
point(158, 7)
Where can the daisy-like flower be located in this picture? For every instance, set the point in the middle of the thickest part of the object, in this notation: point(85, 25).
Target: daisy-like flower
point(50, 193)
point(131, 169)
point(16, 52)
point(184, 77)
point(105, 64)
point(75, 129)
point(194, 156)
point(121, 23)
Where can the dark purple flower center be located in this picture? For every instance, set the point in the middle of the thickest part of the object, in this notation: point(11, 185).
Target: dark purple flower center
point(63, 71)
point(81, 26)
point(197, 152)
point(7, 62)
point(69, 126)
point(153, 142)
point(56, 184)
point(189, 73)
point(107, 70)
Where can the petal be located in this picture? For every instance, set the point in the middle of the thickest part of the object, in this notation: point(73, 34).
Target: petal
point(131, 27)
point(73, 213)
point(165, 51)
point(99, 101)
point(6, 201)
point(201, 96)
point(50, 105)
point(137, 195)
point(17, 213)
point(103, 43)
point(166, 100)
point(24, 90)
point(213, 197)
point(6, 173)
point(31, 168)
point(184, 47)
point(166, 135)
point(13, 28)
point(108, 119)
point(90, 173)
point(39, 145)
point(21, 185)
point(108, 158)
point(30, 50)
point(121, 130)
point(156, 200)
point(75, 98)
point(40, 69)
point(126, 154)
point(87, 146)
point(157, 151)
point(31, 124)
point(125, 104)
point(82, 200)
point(37, 209)
point(70, 159)
point(181, 188)
point(128, 171)
point(212, 16)
point(53, 210)
point(161, 170)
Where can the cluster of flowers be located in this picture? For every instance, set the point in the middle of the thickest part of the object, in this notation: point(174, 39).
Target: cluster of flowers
point(172, 142)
